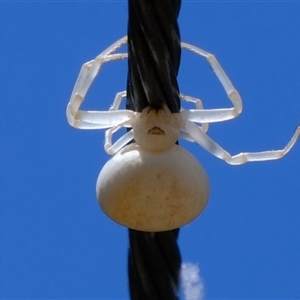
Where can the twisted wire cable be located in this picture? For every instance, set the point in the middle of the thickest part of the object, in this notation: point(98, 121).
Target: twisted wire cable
point(153, 62)
point(153, 54)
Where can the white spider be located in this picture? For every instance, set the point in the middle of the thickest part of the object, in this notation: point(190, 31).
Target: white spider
point(158, 130)
point(153, 184)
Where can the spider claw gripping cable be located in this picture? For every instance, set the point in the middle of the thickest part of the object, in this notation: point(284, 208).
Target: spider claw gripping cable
point(153, 62)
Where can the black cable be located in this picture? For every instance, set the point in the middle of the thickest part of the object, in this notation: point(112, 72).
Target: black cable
point(153, 265)
point(153, 61)
point(153, 54)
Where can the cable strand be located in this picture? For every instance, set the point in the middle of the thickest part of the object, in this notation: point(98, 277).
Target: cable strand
point(153, 54)
point(153, 62)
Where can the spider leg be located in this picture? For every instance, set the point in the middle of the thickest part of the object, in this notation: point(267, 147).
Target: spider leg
point(216, 115)
point(117, 101)
point(91, 68)
point(88, 72)
point(111, 148)
point(82, 74)
point(199, 105)
point(186, 136)
point(97, 119)
point(210, 145)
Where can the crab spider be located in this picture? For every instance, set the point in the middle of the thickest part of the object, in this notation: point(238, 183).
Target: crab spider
point(159, 130)
point(154, 184)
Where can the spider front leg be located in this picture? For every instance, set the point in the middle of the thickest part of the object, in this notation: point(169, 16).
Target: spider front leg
point(213, 115)
point(95, 119)
point(210, 145)
point(216, 115)
point(91, 69)
point(117, 101)
point(198, 104)
point(88, 72)
point(111, 148)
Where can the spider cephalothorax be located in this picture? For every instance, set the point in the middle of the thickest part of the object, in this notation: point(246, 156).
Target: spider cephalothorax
point(136, 187)
point(156, 129)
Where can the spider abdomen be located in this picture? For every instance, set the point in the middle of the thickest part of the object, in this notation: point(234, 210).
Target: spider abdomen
point(152, 191)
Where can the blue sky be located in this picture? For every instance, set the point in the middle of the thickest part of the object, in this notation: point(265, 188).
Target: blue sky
point(56, 242)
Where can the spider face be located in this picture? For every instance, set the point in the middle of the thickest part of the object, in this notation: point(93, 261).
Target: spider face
point(156, 130)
